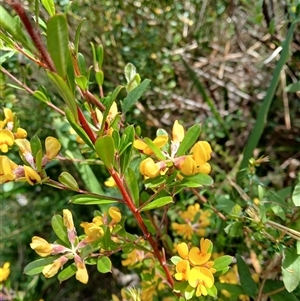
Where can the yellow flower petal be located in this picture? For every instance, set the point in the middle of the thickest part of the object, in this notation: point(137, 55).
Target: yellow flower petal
point(32, 177)
point(201, 278)
point(41, 246)
point(81, 273)
point(198, 258)
point(9, 116)
point(205, 168)
point(21, 133)
point(6, 139)
point(51, 269)
point(149, 168)
point(52, 147)
point(4, 272)
point(201, 152)
point(188, 167)
point(177, 132)
point(115, 214)
point(6, 169)
point(68, 219)
point(183, 250)
point(182, 269)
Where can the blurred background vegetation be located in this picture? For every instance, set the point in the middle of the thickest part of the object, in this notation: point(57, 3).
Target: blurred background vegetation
point(231, 47)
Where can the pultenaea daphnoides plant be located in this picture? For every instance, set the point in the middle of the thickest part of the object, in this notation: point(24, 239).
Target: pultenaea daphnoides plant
point(147, 173)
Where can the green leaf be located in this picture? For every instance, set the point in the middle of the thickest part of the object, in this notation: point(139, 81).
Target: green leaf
point(126, 148)
point(154, 148)
point(67, 273)
point(222, 262)
point(271, 286)
point(130, 72)
point(49, 6)
point(295, 87)
point(175, 259)
point(132, 185)
point(86, 199)
point(78, 129)
point(189, 139)
point(36, 267)
point(40, 96)
point(77, 35)
point(261, 119)
point(38, 160)
point(106, 150)
point(59, 228)
point(296, 194)
point(104, 265)
point(100, 55)
point(134, 95)
point(35, 144)
point(66, 179)
point(197, 180)
point(65, 92)
point(58, 42)
point(248, 284)
point(290, 269)
point(81, 64)
point(12, 26)
point(157, 203)
point(82, 82)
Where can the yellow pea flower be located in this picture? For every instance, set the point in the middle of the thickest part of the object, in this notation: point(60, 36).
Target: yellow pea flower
point(188, 166)
point(6, 140)
point(115, 214)
point(183, 250)
point(92, 231)
point(177, 132)
point(201, 256)
point(41, 246)
point(182, 269)
point(21, 133)
point(6, 169)
point(159, 142)
point(32, 177)
point(201, 152)
point(68, 219)
point(201, 278)
point(149, 168)
point(110, 182)
point(51, 269)
point(81, 273)
point(4, 272)
point(52, 147)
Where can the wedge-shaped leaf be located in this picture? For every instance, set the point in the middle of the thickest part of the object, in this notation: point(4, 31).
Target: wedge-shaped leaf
point(291, 269)
point(59, 228)
point(78, 129)
point(154, 148)
point(58, 42)
point(82, 82)
point(248, 284)
point(157, 203)
point(189, 139)
point(106, 150)
point(65, 92)
point(36, 267)
point(296, 194)
point(49, 6)
point(67, 273)
point(222, 262)
point(132, 185)
point(85, 199)
point(134, 95)
point(104, 265)
point(68, 180)
point(197, 180)
point(152, 183)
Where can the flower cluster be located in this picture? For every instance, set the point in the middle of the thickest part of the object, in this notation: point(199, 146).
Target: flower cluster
point(194, 267)
point(93, 232)
point(188, 165)
point(9, 170)
point(9, 131)
point(193, 221)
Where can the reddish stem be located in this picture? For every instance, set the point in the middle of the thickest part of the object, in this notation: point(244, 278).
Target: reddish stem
point(86, 126)
point(128, 201)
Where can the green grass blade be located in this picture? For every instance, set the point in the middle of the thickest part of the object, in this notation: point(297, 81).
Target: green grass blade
point(264, 109)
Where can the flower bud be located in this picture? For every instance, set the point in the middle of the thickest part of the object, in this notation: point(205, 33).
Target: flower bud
point(41, 246)
point(115, 214)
